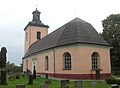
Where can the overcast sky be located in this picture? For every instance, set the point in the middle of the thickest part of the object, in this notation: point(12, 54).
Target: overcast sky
point(15, 15)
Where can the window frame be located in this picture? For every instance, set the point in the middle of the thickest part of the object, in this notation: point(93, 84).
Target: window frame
point(67, 64)
point(95, 60)
point(46, 63)
point(38, 36)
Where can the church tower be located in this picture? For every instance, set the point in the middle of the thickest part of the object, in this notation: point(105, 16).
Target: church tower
point(35, 30)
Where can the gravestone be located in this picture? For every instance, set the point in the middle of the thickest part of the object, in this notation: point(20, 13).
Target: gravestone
point(44, 86)
point(78, 84)
point(103, 82)
point(30, 79)
point(48, 82)
point(11, 77)
point(64, 83)
point(93, 84)
point(20, 85)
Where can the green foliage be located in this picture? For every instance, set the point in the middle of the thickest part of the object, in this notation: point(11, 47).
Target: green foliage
point(3, 57)
point(3, 66)
point(3, 78)
point(12, 68)
point(111, 33)
point(112, 80)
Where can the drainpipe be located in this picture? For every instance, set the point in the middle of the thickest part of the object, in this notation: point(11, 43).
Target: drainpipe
point(54, 60)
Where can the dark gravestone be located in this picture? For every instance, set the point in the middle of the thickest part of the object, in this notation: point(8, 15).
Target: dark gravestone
point(64, 83)
point(78, 84)
point(20, 85)
point(30, 79)
point(44, 86)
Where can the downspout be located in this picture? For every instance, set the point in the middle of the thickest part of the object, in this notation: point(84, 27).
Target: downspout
point(54, 60)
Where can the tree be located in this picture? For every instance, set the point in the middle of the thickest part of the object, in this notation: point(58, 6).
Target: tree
point(12, 68)
point(111, 33)
point(3, 66)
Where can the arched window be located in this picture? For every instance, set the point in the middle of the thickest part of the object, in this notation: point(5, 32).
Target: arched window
point(38, 35)
point(67, 61)
point(95, 61)
point(46, 63)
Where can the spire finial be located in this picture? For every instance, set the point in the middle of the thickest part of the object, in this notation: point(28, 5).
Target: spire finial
point(36, 6)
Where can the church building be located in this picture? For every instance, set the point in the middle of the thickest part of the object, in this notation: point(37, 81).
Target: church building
point(74, 50)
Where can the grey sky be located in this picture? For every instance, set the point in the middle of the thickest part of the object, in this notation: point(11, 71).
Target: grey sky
point(15, 15)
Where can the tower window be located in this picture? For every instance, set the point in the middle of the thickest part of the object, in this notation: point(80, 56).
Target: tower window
point(38, 35)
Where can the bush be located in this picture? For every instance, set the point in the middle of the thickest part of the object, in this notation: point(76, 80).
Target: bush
point(11, 77)
point(17, 75)
point(112, 80)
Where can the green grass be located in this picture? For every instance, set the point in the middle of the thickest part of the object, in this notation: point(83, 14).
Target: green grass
point(55, 83)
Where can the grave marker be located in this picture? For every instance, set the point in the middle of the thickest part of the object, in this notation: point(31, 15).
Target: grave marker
point(64, 83)
point(78, 84)
point(44, 86)
point(93, 84)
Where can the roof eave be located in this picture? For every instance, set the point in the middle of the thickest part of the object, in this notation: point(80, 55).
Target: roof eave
point(64, 45)
point(38, 25)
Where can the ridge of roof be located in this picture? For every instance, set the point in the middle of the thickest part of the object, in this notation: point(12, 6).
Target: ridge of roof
point(78, 20)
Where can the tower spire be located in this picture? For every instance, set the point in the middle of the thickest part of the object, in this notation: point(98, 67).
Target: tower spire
point(36, 16)
point(36, 6)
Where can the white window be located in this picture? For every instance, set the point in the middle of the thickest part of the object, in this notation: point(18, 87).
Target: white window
point(94, 58)
point(67, 61)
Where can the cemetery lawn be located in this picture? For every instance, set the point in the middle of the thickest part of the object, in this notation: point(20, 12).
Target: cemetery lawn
point(54, 83)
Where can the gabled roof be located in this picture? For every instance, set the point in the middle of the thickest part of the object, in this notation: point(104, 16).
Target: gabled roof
point(75, 31)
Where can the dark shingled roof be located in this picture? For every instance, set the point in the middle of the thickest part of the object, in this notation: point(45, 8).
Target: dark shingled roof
point(38, 24)
point(75, 31)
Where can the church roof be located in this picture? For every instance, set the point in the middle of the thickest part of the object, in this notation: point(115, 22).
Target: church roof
point(73, 32)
